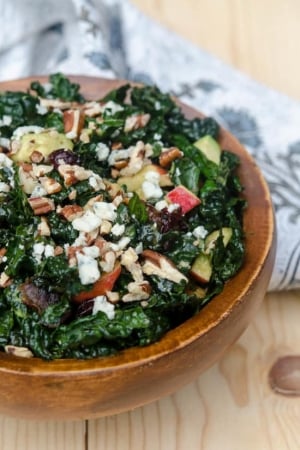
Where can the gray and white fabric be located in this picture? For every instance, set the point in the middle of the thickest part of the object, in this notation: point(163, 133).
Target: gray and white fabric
point(111, 38)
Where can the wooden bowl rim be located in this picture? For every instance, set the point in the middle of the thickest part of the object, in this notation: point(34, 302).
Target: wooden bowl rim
point(197, 326)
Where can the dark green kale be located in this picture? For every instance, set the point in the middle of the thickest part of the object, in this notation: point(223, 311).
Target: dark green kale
point(60, 87)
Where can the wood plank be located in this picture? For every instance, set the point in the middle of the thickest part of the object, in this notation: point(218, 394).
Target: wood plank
point(31, 435)
point(259, 37)
point(230, 406)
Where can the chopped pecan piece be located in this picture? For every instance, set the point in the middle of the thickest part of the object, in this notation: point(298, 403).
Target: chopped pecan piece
point(50, 185)
point(36, 157)
point(41, 205)
point(23, 352)
point(73, 122)
point(71, 212)
point(43, 227)
point(73, 173)
point(4, 280)
point(136, 121)
point(157, 264)
point(169, 155)
point(137, 291)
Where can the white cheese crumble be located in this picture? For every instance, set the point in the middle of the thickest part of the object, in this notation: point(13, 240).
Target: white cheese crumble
point(96, 182)
point(161, 205)
point(92, 251)
point(101, 304)
point(150, 186)
point(20, 131)
point(5, 120)
point(38, 191)
point(118, 229)
point(5, 161)
point(49, 251)
point(4, 187)
point(200, 232)
point(4, 142)
point(105, 211)
point(112, 107)
point(102, 151)
point(88, 269)
point(40, 250)
point(47, 87)
point(172, 207)
point(41, 109)
point(121, 244)
point(87, 223)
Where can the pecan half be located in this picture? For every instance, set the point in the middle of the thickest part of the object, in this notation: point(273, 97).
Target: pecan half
point(157, 264)
point(168, 156)
point(41, 205)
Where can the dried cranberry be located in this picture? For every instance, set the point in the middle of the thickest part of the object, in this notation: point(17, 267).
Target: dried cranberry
point(167, 221)
point(63, 156)
point(85, 308)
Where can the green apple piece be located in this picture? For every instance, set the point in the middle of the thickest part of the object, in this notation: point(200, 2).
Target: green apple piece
point(210, 147)
point(201, 269)
point(212, 237)
point(134, 182)
point(45, 142)
point(183, 197)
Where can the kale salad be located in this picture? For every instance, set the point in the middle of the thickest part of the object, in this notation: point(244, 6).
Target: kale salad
point(119, 218)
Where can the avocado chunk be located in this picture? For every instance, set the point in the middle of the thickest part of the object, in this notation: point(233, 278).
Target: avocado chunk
point(210, 148)
point(44, 142)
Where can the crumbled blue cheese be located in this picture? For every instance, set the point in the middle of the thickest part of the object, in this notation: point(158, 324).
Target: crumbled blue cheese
point(121, 244)
point(150, 186)
point(102, 151)
point(40, 250)
point(20, 131)
point(4, 142)
point(111, 107)
point(87, 223)
point(5, 121)
point(101, 304)
point(92, 251)
point(172, 207)
point(161, 205)
point(38, 191)
point(200, 232)
point(47, 87)
point(96, 182)
point(4, 187)
point(41, 109)
point(49, 251)
point(105, 211)
point(118, 229)
point(88, 269)
point(5, 161)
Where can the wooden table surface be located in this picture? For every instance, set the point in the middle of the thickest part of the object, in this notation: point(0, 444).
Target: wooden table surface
point(231, 406)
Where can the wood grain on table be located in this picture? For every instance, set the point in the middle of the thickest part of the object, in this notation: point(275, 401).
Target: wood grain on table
point(231, 406)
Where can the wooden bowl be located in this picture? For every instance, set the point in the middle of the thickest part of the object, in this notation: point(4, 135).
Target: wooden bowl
point(75, 389)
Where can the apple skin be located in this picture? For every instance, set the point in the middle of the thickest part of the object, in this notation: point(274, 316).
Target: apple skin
point(104, 284)
point(183, 197)
point(210, 148)
point(201, 269)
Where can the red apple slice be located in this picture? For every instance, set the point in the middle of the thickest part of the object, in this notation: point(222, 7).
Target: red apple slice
point(183, 197)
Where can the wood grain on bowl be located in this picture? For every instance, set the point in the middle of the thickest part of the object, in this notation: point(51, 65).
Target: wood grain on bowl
point(76, 389)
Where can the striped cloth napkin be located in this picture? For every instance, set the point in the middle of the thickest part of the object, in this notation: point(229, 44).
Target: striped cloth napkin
point(111, 38)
